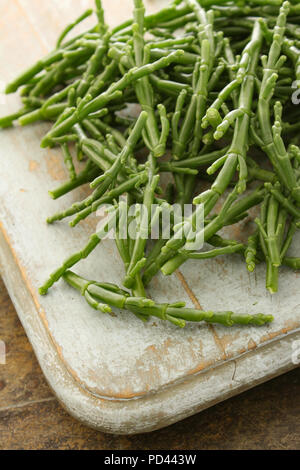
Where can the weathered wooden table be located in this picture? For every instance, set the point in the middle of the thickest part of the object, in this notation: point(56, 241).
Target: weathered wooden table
point(267, 417)
point(117, 374)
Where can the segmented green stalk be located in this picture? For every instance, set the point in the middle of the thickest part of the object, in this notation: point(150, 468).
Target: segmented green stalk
point(177, 314)
point(95, 240)
point(271, 139)
point(237, 153)
point(69, 28)
point(88, 106)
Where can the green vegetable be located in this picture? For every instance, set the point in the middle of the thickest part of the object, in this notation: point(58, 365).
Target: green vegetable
point(213, 109)
point(69, 28)
point(102, 297)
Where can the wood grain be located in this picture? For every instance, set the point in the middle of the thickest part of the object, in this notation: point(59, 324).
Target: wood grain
point(21, 380)
point(267, 417)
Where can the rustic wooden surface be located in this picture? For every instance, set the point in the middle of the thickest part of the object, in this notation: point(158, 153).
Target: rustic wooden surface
point(123, 359)
point(267, 417)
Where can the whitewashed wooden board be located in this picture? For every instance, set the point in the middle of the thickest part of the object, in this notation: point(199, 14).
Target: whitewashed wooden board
point(117, 374)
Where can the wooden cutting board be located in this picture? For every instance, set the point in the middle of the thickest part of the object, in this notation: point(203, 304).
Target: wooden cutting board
point(115, 373)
